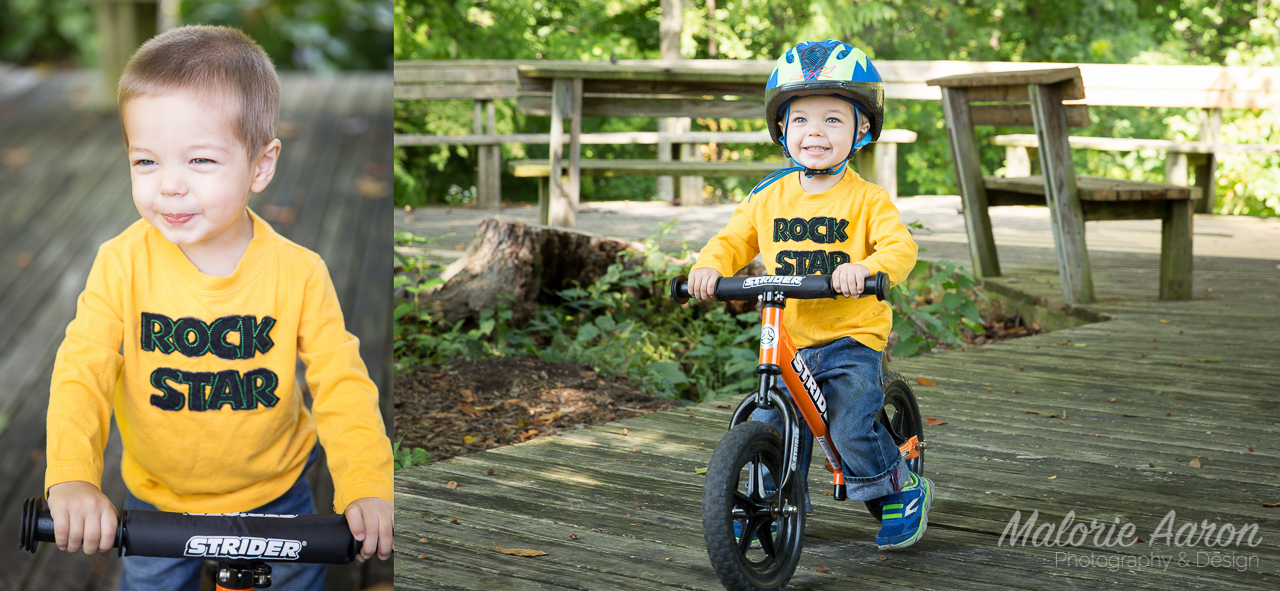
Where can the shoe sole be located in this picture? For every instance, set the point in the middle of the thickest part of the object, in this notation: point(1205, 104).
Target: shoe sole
point(924, 519)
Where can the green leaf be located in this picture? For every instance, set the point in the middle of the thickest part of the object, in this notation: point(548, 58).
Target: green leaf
point(1208, 359)
point(605, 322)
point(587, 332)
point(486, 326)
point(699, 470)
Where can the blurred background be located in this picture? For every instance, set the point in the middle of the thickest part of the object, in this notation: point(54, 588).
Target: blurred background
point(1186, 32)
point(64, 189)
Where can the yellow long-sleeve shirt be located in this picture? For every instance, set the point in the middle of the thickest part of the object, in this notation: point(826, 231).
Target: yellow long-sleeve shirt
point(200, 372)
point(799, 233)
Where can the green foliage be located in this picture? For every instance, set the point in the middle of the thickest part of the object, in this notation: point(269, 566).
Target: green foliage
point(625, 325)
point(403, 458)
point(933, 307)
point(1205, 32)
point(312, 35)
point(47, 31)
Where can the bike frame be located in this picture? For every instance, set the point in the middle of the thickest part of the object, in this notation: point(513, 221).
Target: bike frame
point(779, 359)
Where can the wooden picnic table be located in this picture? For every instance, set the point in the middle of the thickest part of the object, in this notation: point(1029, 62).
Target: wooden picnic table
point(1038, 95)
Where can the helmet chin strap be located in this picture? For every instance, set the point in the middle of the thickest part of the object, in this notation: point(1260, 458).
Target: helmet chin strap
point(809, 172)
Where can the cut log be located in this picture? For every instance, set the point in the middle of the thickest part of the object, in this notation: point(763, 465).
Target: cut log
point(520, 260)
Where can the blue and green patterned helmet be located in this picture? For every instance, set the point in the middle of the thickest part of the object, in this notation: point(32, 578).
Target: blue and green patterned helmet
point(824, 68)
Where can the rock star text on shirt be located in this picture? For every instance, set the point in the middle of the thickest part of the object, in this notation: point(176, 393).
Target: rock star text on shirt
point(210, 390)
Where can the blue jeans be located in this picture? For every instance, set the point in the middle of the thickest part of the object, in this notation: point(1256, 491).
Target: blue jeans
point(144, 573)
point(848, 372)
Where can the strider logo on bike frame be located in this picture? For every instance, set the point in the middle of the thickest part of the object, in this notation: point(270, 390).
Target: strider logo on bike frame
point(242, 547)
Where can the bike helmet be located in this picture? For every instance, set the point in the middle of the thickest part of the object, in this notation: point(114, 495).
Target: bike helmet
point(829, 68)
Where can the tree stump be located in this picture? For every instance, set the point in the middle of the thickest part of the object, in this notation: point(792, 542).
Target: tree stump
point(520, 260)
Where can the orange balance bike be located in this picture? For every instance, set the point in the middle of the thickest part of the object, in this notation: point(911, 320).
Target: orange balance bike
point(754, 534)
point(241, 543)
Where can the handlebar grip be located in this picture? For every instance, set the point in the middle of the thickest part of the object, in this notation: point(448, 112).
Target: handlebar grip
point(313, 539)
point(804, 287)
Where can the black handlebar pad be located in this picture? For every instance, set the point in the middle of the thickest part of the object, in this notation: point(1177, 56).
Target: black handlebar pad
point(803, 287)
point(236, 537)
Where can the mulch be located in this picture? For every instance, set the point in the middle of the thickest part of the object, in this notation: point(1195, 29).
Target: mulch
point(485, 403)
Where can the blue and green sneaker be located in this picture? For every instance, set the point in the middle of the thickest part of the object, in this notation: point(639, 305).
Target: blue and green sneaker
point(905, 514)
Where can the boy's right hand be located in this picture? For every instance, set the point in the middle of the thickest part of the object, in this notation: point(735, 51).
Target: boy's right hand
point(82, 517)
point(702, 284)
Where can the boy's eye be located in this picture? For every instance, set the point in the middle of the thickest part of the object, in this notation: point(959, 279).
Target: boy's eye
point(832, 120)
point(143, 162)
point(201, 161)
point(798, 119)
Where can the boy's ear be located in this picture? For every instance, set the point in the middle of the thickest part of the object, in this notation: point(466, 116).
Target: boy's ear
point(264, 169)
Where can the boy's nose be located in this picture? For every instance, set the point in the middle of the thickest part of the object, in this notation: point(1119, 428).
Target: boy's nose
point(172, 185)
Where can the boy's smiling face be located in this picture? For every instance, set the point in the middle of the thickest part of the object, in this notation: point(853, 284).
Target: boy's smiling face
point(191, 175)
point(820, 130)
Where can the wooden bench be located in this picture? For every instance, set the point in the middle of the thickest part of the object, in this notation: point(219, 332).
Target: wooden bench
point(1012, 98)
point(1181, 158)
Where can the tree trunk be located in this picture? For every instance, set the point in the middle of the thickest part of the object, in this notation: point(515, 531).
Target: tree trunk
point(520, 261)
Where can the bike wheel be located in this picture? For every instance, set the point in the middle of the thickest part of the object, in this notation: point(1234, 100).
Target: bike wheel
point(900, 416)
point(734, 492)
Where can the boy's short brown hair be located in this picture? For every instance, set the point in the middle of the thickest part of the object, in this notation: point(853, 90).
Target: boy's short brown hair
point(210, 60)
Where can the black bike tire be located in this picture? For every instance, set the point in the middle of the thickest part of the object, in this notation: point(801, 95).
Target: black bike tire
point(732, 568)
point(896, 388)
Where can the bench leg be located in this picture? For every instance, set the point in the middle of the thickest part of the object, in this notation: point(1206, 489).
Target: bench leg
point(886, 165)
point(1061, 194)
point(544, 200)
point(1206, 170)
point(964, 152)
point(1175, 251)
point(1017, 162)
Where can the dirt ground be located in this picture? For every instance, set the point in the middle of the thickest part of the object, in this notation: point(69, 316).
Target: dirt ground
point(485, 403)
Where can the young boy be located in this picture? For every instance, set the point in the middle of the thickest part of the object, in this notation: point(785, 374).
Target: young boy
point(823, 102)
point(191, 324)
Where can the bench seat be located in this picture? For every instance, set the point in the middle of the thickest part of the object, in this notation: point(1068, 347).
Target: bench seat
point(624, 167)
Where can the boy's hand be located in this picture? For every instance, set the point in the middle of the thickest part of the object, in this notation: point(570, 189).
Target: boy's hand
point(371, 520)
point(702, 284)
point(82, 517)
point(849, 279)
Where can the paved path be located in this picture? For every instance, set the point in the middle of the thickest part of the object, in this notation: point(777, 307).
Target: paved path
point(617, 505)
point(64, 189)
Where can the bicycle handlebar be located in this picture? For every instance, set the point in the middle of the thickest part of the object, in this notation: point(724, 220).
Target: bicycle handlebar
point(803, 287)
point(236, 537)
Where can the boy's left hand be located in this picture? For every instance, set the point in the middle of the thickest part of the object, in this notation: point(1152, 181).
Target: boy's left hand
point(371, 520)
point(849, 279)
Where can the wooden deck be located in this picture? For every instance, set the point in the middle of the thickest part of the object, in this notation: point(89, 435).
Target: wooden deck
point(64, 189)
point(633, 500)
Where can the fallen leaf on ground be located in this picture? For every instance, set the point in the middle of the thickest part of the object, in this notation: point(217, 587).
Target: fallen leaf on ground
point(1250, 448)
point(422, 541)
point(453, 521)
point(1139, 540)
point(1271, 504)
point(722, 406)
point(15, 157)
point(925, 382)
point(24, 259)
point(883, 557)
point(699, 470)
point(452, 484)
point(573, 536)
point(1195, 462)
point(371, 188)
point(1208, 359)
point(1164, 322)
point(1055, 476)
point(933, 421)
point(469, 439)
point(490, 472)
point(625, 432)
point(822, 569)
point(467, 408)
point(519, 551)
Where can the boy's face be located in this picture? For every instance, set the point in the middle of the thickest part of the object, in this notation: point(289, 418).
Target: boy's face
point(191, 176)
point(820, 130)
